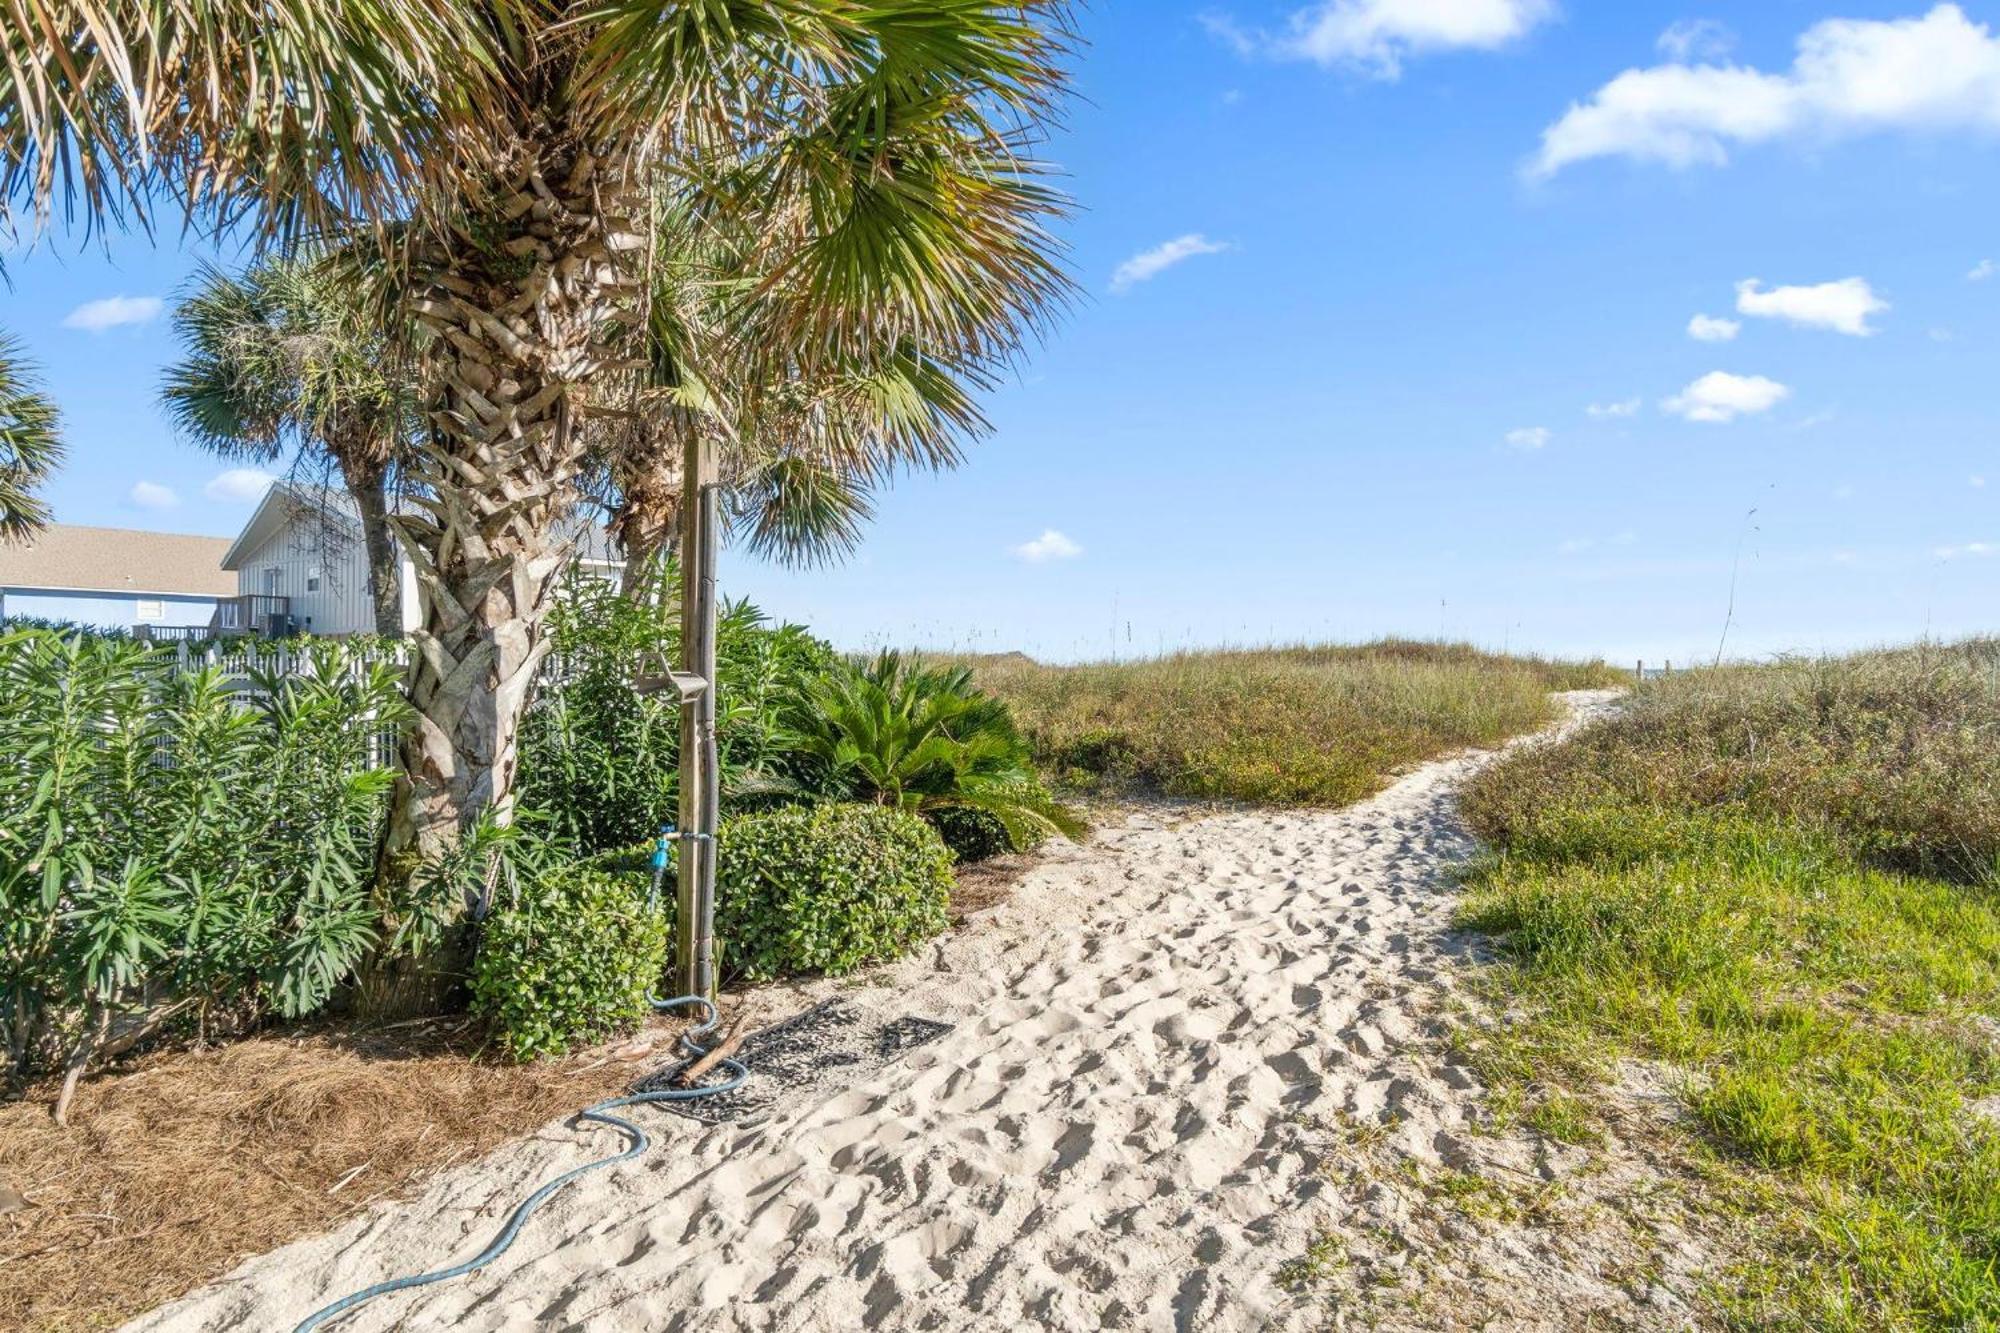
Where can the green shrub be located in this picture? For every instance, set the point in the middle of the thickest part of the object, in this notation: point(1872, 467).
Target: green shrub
point(573, 959)
point(827, 888)
point(169, 854)
point(600, 761)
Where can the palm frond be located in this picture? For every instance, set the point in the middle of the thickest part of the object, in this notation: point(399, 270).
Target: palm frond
point(31, 445)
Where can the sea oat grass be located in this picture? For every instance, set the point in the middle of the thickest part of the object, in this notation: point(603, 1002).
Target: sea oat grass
point(1302, 725)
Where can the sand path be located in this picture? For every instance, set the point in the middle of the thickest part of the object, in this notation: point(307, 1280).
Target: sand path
point(1164, 1043)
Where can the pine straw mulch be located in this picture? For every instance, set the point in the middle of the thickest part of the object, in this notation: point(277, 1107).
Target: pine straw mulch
point(180, 1164)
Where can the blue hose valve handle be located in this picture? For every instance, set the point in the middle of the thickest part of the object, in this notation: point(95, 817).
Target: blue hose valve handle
point(662, 848)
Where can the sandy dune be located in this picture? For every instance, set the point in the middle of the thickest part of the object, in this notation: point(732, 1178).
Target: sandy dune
point(1183, 1055)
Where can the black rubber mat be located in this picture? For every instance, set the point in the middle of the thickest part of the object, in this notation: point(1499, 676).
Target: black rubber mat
point(835, 1041)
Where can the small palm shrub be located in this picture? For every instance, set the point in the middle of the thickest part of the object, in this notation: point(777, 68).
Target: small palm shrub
point(922, 738)
point(169, 850)
point(600, 761)
point(572, 958)
point(827, 888)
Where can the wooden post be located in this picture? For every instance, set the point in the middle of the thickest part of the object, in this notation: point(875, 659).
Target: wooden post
point(694, 928)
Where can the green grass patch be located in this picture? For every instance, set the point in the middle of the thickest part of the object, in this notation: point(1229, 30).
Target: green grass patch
point(1305, 726)
point(1812, 941)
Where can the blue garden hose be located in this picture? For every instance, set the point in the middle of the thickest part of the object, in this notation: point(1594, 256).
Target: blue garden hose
point(601, 1113)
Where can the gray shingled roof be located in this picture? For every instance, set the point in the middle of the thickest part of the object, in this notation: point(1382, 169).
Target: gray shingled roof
point(69, 557)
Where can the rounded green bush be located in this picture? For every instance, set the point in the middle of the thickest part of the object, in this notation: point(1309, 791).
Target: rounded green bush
point(573, 960)
point(827, 888)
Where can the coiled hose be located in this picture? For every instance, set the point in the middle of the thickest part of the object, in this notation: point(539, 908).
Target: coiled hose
point(601, 1113)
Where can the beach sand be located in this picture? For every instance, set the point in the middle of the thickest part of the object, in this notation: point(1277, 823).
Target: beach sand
point(1197, 1081)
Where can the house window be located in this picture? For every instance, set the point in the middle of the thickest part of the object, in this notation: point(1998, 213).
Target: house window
point(228, 618)
point(151, 609)
point(271, 582)
point(312, 580)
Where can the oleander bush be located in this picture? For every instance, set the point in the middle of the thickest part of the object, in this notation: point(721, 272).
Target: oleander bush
point(827, 888)
point(570, 958)
point(174, 851)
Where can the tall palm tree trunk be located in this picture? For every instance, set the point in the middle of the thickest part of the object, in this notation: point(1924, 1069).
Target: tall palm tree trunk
point(367, 482)
point(518, 313)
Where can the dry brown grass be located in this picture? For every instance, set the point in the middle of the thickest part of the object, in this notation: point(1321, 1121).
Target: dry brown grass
point(1306, 725)
point(183, 1163)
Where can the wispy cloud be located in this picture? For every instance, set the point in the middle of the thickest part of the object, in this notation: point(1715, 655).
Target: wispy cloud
point(1150, 264)
point(1375, 37)
point(1981, 271)
point(1529, 437)
point(1696, 39)
point(1850, 77)
point(1841, 307)
point(1978, 483)
point(1713, 329)
point(111, 312)
point(1051, 545)
point(1720, 397)
point(239, 485)
point(1974, 549)
point(1624, 407)
point(152, 495)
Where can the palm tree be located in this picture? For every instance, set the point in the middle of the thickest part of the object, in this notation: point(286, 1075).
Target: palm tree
point(517, 154)
point(803, 442)
point(30, 444)
point(288, 356)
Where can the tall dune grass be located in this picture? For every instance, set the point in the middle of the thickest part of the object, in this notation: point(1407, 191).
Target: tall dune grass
point(1780, 883)
point(1305, 725)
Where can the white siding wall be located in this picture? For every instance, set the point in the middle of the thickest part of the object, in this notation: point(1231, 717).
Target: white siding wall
point(341, 604)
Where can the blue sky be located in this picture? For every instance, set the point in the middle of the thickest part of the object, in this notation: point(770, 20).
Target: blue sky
point(1381, 260)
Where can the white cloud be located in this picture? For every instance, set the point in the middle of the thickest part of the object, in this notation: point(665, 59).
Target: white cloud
point(1696, 39)
point(1377, 36)
point(112, 311)
point(1149, 264)
point(1850, 77)
point(1843, 306)
point(1967, 549)
point(1983, 270)
point(1713, 329)
point(1977, 483)
point(152, 495)
point(1576, 545)
point(1843, 492)
point(1624, 407)
point(1051, 545)
point(239, 485)
point(1529, 437)
point(1720, 396)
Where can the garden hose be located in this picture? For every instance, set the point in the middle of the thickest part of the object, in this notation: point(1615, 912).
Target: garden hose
point(601, 1113)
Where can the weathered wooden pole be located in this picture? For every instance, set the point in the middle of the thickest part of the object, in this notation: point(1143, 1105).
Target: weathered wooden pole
point(694, 939)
